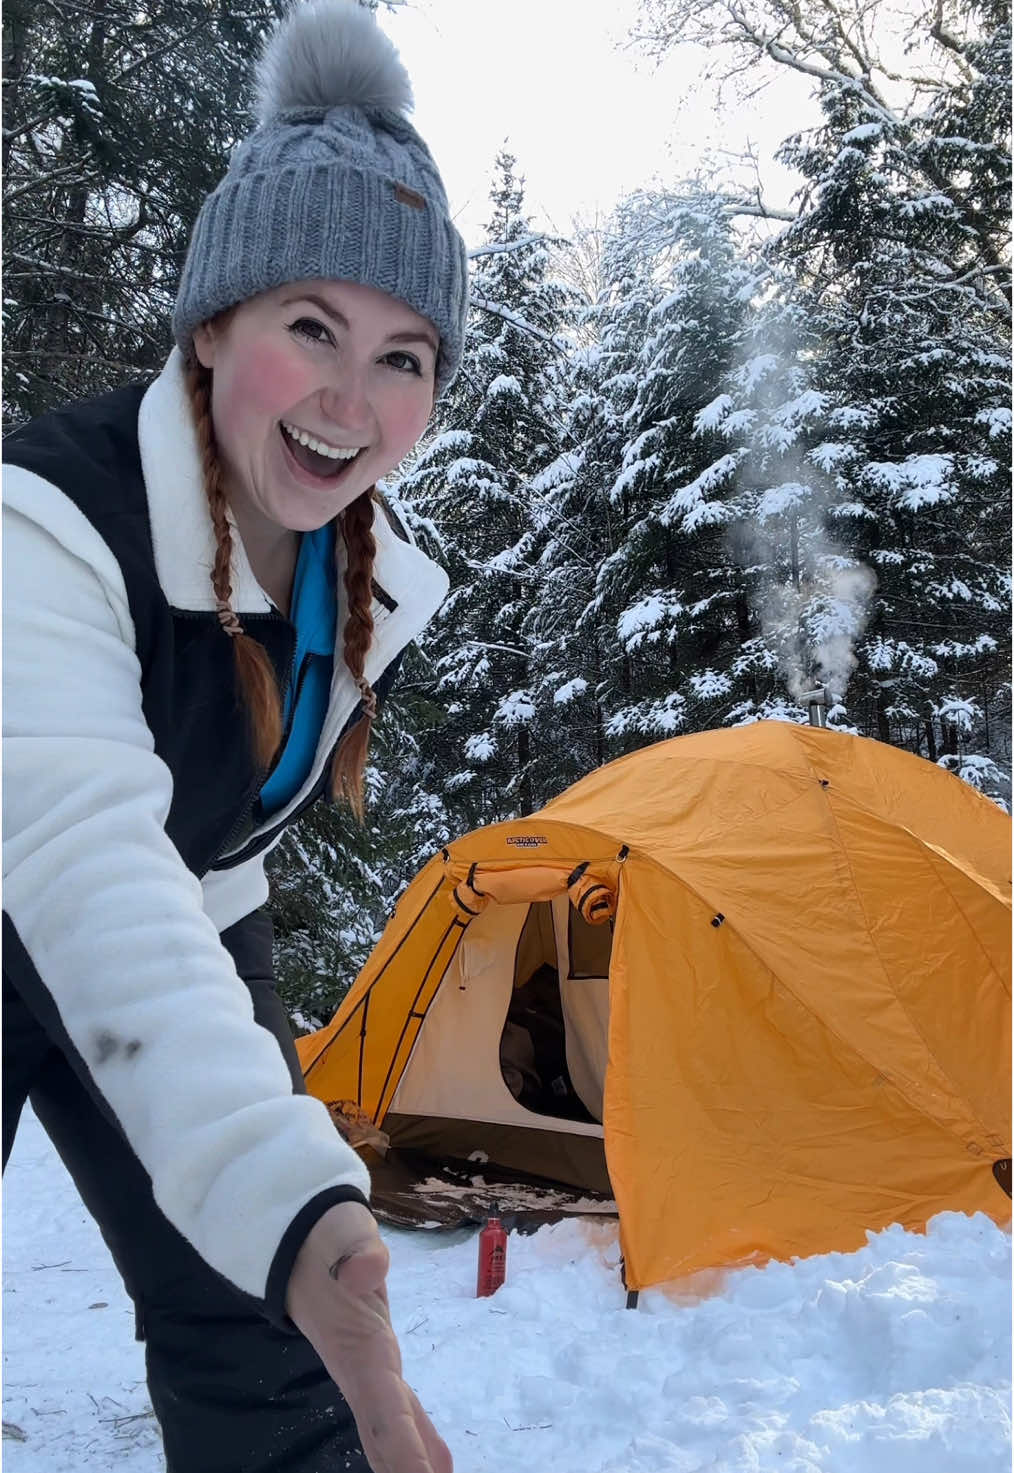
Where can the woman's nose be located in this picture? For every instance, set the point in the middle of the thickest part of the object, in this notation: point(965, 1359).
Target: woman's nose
point(346, 401)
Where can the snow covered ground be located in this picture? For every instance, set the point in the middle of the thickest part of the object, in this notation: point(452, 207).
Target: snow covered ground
point(895, 1359)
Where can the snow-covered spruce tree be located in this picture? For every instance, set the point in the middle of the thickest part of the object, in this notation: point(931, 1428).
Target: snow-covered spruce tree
point(802, 599)
point(118, 120)
point(898, 253)
point(571, 622)
point(668, 589)
point(564, 627)
point(498, 429)
point(723, 564)
point(901, 252)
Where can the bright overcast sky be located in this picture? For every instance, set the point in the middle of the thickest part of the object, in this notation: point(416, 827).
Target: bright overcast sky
point(587, 116)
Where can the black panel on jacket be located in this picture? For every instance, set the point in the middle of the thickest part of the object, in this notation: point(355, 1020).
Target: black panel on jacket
point(188, 684)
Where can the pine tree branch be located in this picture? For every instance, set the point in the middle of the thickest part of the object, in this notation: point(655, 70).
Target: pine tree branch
point(498, 310)
point(33, 357)
point(11, 135)
point(70, 176)
point(52, 269)
point(829, 72)
point(152, 56)
point(505, 248)
point(484, 644)
point(760, 210)
point(939, 33)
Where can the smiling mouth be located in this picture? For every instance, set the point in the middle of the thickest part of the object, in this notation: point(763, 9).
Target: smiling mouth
point(326, 463)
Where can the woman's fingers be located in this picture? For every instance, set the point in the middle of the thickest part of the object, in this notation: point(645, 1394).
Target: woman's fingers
point(396, 1434)
point(338, 1298)
point(437, 1450)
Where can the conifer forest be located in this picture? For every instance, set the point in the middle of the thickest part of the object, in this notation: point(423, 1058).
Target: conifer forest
point(701, 456)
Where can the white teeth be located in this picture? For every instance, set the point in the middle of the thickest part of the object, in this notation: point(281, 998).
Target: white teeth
point(331, 451)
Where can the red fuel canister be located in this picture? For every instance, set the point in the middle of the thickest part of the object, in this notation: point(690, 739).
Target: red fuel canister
point(492, 1258)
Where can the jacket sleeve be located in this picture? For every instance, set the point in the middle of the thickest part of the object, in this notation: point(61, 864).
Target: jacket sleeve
point(112, 946)
point(250, 943)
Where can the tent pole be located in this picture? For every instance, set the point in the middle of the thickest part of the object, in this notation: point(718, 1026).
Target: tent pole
point(632, 1294)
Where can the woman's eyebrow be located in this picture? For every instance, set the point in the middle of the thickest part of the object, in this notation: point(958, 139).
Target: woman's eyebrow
point(325, 307)
point(414, 337)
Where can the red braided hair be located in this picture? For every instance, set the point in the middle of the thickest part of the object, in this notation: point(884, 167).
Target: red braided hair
point(361, 549)
point(254, 671)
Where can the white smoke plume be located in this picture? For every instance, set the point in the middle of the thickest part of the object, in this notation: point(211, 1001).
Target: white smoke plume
point(849, 600)
point(812, 598)
point(813, 629)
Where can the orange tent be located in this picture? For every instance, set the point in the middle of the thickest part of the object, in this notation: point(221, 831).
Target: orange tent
point(783, 961)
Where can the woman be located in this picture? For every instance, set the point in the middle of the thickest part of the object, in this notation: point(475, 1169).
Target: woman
point(204, 602)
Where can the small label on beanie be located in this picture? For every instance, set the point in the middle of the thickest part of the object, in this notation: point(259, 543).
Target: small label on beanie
point(406, 196)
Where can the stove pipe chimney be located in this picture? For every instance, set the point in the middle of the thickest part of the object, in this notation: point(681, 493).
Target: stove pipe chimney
point(818, 702)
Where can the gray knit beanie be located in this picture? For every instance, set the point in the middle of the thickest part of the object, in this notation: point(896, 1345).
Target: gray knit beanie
point(334, 183)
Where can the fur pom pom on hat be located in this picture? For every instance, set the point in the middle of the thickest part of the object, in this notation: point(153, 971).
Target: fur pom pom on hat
point(310, 62)
point(333, 183)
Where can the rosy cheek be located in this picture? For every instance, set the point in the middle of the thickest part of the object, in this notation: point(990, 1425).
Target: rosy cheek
point(411, 424)
point(270, 379)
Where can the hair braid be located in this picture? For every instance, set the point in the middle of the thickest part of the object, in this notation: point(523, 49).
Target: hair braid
point(361, 549)
point(254, 672)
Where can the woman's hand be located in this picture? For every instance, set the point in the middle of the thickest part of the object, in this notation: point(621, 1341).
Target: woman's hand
point(337, 1297)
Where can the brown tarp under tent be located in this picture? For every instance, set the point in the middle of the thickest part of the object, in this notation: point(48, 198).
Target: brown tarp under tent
point(753, 985)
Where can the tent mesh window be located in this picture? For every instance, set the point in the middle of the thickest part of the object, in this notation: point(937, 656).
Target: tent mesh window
point(533, 1044)
point(590, 947)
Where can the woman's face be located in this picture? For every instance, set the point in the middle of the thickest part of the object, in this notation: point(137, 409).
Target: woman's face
point(319, 388)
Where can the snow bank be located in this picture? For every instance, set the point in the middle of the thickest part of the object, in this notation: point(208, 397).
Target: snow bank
point(894, 1359)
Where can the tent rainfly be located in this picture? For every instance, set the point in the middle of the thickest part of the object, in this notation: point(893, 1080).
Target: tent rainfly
point(774, 963)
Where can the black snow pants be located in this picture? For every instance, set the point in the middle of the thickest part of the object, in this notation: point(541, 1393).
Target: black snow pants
point(232, 1393)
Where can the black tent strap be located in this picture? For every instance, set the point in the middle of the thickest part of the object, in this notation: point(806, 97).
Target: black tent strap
point(459, 902)
point(596, 898)
point(362, 1051)
point(470, 881)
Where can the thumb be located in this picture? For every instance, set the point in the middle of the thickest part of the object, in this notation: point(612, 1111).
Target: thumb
point(362, 1267)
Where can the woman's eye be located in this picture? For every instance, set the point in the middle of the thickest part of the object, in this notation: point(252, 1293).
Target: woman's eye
point(404, 362)
point(309, 327)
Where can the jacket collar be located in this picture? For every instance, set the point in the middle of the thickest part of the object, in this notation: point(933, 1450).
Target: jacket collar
point(407, 582)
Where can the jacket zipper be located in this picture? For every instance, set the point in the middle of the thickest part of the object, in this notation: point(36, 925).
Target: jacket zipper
point(264, 839)
point(262, 774)
point(219, 861)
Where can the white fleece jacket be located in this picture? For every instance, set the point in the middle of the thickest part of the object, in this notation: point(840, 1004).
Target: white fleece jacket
point(119, 930)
